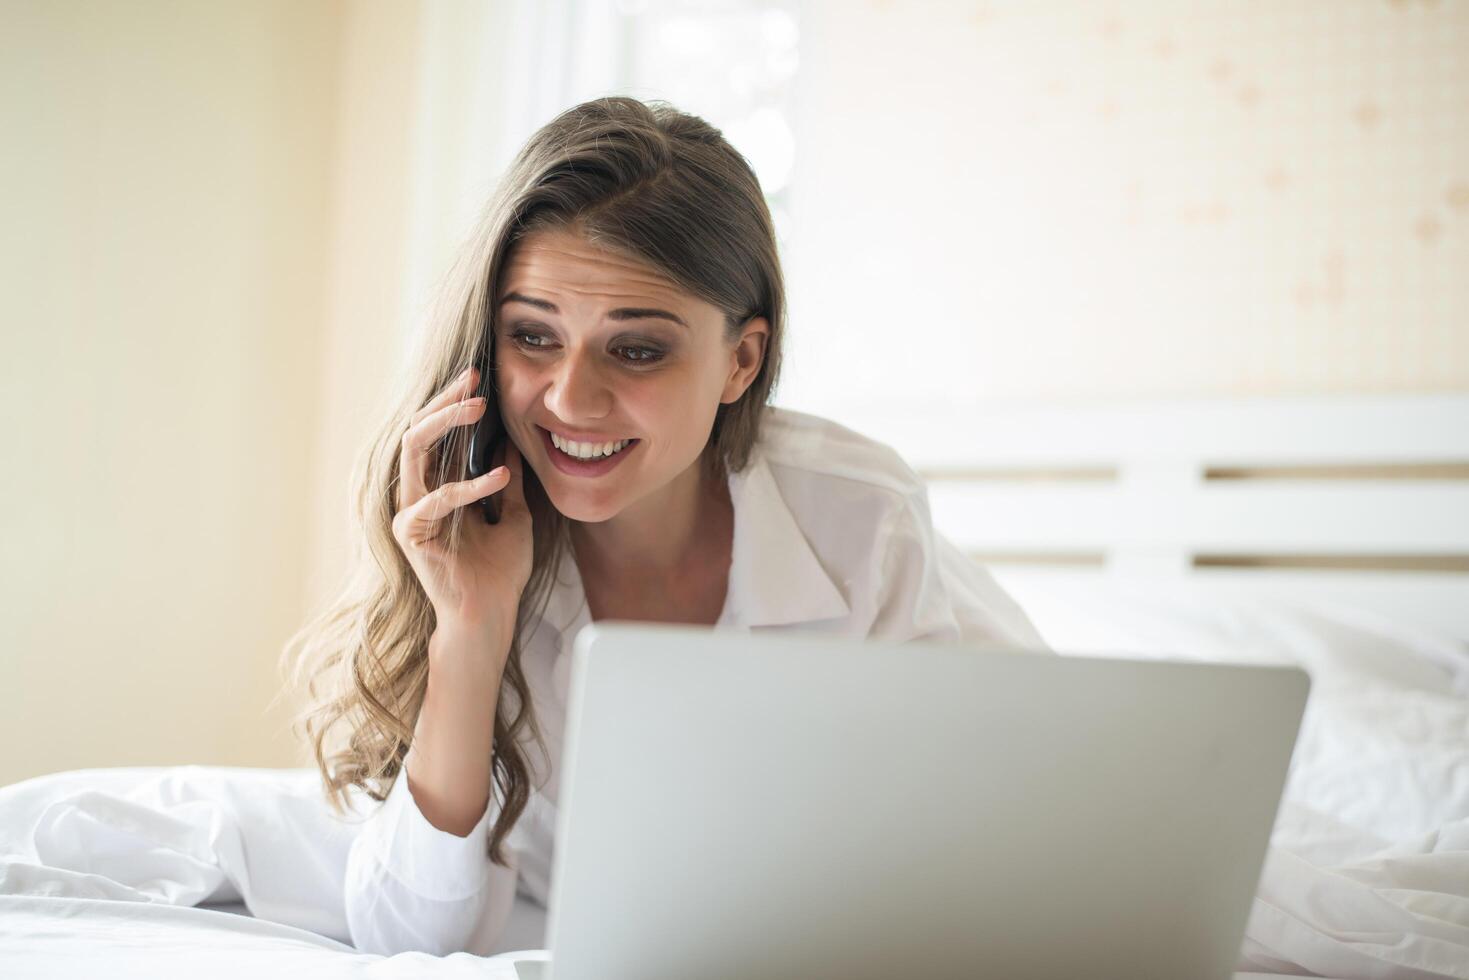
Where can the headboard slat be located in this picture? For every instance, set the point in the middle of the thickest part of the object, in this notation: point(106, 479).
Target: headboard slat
point(1364, 500)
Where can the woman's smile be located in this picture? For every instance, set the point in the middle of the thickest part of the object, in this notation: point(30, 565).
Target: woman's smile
point(585, 459)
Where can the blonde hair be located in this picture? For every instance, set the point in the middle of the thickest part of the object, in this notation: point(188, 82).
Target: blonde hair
point(642, 179)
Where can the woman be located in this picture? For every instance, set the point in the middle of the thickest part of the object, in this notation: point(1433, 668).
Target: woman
point(627, 272)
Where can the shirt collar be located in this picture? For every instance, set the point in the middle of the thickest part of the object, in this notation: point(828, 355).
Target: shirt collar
point(775, 578)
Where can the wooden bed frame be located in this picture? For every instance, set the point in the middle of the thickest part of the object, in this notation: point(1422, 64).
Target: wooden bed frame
point(1361, 500)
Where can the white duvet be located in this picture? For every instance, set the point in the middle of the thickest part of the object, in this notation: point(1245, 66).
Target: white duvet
point(102, 871)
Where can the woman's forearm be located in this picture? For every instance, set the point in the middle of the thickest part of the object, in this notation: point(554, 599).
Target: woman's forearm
point(449, 765)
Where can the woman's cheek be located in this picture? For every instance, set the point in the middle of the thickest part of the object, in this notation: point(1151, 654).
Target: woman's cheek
point(514, 389)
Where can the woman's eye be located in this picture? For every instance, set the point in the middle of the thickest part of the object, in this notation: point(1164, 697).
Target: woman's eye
point(521, 336)
point(641, 355)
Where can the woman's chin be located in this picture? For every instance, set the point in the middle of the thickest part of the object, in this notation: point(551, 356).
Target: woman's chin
point(581, 506)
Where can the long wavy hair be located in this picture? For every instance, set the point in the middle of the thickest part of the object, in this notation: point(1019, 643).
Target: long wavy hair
point(644, 180)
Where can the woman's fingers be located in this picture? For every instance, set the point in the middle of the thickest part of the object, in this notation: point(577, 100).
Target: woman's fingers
point(411, 480)
point(420, 440)
point(418, 524)
point(460, 388)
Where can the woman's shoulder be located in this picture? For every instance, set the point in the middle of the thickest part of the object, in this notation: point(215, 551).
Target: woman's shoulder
point(865, 513)
point(818, 514)
point(804, 446)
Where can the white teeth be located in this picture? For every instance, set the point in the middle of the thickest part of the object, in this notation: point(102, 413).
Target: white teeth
point(588, 450)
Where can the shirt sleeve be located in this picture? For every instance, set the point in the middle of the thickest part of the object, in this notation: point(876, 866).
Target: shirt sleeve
point(412, 887)
point(929, 590)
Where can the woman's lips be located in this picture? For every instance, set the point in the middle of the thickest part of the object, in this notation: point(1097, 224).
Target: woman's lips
point(572, 466)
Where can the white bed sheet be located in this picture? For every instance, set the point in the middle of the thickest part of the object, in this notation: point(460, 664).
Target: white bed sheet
point(1367, 874)
point(192, 871)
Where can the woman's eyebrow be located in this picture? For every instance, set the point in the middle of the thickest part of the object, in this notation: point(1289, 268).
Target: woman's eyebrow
point(623, 313)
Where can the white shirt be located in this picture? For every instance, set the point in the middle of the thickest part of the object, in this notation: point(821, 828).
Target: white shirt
point(832, 533)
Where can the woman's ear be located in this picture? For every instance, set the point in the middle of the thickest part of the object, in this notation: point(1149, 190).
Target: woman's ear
point(746, 358)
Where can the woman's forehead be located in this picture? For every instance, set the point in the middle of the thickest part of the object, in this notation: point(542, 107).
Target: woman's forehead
point(562, 261)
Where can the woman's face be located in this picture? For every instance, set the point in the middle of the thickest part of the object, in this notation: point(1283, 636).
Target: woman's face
point(596, 347)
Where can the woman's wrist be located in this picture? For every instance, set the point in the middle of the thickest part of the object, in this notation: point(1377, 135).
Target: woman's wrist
point(457, 646)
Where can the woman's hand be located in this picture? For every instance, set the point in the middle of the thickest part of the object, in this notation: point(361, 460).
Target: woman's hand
point(475, 590)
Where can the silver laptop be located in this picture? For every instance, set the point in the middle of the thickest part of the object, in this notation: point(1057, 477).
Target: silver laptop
point(803, 806)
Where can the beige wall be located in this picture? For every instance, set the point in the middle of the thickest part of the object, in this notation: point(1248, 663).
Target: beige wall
point(174, 188)
point(1066, 199)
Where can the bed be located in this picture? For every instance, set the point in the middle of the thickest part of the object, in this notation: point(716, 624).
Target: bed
point(1332, 534)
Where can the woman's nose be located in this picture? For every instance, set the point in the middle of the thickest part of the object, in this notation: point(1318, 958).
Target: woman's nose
point(577, 392)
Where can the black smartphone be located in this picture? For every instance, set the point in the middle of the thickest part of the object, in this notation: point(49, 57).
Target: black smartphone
point(487, 445)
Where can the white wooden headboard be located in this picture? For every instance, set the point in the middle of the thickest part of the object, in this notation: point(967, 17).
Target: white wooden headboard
point(1360, 500)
